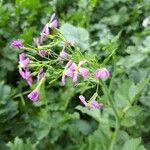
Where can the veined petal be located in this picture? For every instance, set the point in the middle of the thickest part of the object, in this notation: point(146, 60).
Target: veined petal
point(54, 24)
point(63, 79)
point(82, 99)
point(40, 75)
point(17, 44)
point(63, 55)
point(69, 73)
point(101, 73)
point(29, 81)
point(22, 73)
point(94, 104)
point(36, 41)
point(84, 72)
point(75, 76)
point(53, 17)
point(43, 53)
point(34, 95)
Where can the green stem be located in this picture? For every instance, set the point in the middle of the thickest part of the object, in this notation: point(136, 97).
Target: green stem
point(114, 139)
point(117, 126)
point(106, 91)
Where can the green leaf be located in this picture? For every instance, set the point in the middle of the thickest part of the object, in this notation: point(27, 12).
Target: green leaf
point(18, 144)
point(4, 91)
point(140, 86)
point(44, 123)
point(128, 121)
point(127, 92)
point(83, 126)
point(133, 111)
point(28, 34)
point(76, 35)
point(94, 113)
point(122, 97)
point(133, 144)
point(131, 60)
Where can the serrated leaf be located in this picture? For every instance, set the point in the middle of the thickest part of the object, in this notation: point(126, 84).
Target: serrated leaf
point(133, 111)
point(133, 144)
point(94, 113)
point(18, 144)
point(128, 121)
point(83, 126)
point(131, 60)
point(122, 97)
point(76, 35)
point(4, 91)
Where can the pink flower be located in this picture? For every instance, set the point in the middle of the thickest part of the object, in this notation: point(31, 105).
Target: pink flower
point(91, 103)
point(17, 44)
point(63, 55)
point(36, 41)
point(72, 70)
point(82, 99)
point(43, 53)
point(23, 60)
point(34, 95)
point(101, 73)
point(26, 74)
point(69, 71)
point(80, 70)
point(84, 72)
point(53, 21)
point(40, 75)
point(45, 32)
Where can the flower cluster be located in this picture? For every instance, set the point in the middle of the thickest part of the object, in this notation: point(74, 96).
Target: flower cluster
point(73, 69)
point(25, 73)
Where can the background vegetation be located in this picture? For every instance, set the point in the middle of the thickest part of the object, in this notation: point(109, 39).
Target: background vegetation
point(63, 124)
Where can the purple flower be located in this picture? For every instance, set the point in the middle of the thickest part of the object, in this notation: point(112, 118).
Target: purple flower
point(69, 71)
point(23, 60)
point(17, 44)
point(101, 73)
point(80, 70)
point(84, 72)
point(91, 103)
point(82, 99)
point(95, 104)
point(43, 53)
point(75, 76)
point(63, 55)
point(34, 95)
point(45, 32)
point(53, 21)
point(72, 70)
point(26, 74)
point(36, 41)
point(40, 75)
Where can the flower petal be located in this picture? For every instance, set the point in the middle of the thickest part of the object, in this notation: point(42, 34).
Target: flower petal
point(82, 99)
point(34, 95)
point(84, 72)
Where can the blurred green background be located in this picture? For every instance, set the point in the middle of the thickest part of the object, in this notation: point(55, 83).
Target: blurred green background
point(59, 126)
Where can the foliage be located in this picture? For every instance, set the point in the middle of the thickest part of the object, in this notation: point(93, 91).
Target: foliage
point(111, 32)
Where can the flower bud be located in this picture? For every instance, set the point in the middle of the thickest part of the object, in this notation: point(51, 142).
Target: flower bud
point(17, 44)
point(101, 73)
point(34, 95)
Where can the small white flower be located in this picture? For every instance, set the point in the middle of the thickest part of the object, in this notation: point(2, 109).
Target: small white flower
point(146, 22)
